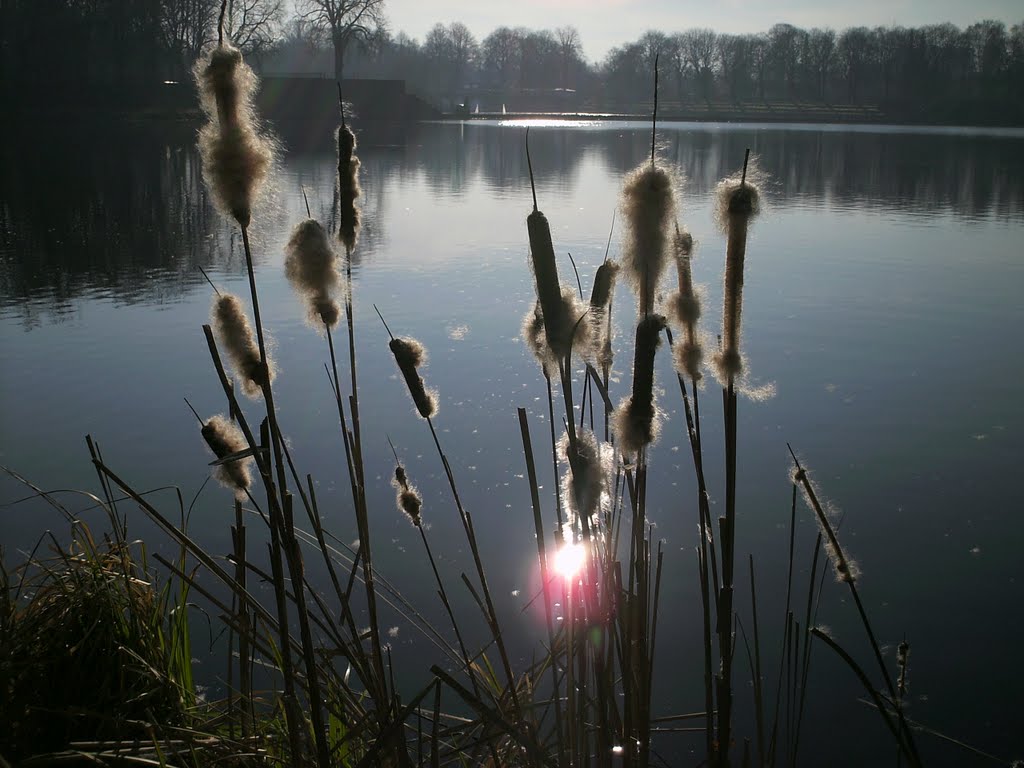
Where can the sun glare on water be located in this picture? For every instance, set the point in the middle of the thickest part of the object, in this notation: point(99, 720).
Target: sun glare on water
point(569, 560)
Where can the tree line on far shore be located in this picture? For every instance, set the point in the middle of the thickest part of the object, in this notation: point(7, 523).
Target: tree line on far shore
point(113, 52)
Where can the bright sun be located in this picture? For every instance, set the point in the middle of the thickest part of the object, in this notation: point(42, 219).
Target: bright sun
point(569, 560)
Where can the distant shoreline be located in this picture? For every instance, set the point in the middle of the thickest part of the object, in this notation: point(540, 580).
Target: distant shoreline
point(144, 115)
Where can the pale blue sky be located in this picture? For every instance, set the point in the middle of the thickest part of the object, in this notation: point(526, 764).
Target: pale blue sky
point(607, 23)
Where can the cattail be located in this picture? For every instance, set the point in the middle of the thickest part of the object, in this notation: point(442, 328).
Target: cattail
point(684, 309)
point(236, 158)
point(406, 496)
point(648, 202)
point(225, 439)
point(536, 340)
point(555, 309)
point(587, 478)
point(846, 569)
point(600, 312)
point(410, 355)
point(348, 187)
point(636, 419)
point(738, 202)
point(551, 341)
point(902, 654)
point(239, 340)
point(311, 265)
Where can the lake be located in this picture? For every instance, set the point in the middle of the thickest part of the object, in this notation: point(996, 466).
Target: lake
point(882, 299)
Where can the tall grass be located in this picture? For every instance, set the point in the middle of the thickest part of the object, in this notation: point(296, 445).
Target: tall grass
point(315, 682)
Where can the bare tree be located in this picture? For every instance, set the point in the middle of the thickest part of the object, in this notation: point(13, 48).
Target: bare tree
point(821, 49)
point(698, 49)
point(187, 26)
point(464, 50)
point(501, 55)
point(252, 25)
point(344, 22)
point(569, 49)
point(733, 61)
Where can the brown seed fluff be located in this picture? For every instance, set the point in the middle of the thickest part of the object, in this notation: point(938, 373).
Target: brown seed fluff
point(311, 265)
point(648, 203)
point(410, 354)
point(224, 439)
point(239, 341)
point(636, 419)
point(348, 188)
point(236, 159)
point(407, 497)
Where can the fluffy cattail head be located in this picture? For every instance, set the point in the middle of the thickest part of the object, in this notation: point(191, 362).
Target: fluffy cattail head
point(348, 187)
point(553, 330)
point(682, 243)
point(587, 479)
point(239, 341)
point(738, 197)
point(688, 357)
point(311, 266)
point(410, 354)
point(636, 419)
point(407, 497)
point(536, 340)
point(604, 284)
point(648, 203)
point(225, 439)
point(236, 159)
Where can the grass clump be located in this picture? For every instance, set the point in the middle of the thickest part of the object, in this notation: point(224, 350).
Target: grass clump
point(91, 649)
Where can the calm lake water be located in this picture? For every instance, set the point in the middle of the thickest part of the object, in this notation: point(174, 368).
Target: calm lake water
point(882, 300)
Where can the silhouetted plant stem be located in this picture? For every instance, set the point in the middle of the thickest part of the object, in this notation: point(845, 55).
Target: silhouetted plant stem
point(801, 477)
point(467, 524)
point(538, 525)
point(290, 547)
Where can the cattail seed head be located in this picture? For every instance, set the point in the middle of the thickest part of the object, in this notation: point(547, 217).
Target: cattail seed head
point(688, 358)
point(587, 479)
point(236, 158)
point(600, 312)
point(348, 188)
point(648, 202)
point(551, 340)
point(407, 497)
point(536, 340)
point(239, 341)
point(225, 439)
point(636, 419)
point(549, 290)
point(738, 199)
point(311, 265)
point(410, 354)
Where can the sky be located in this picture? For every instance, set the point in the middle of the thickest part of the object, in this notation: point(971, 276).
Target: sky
point(604, 24)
